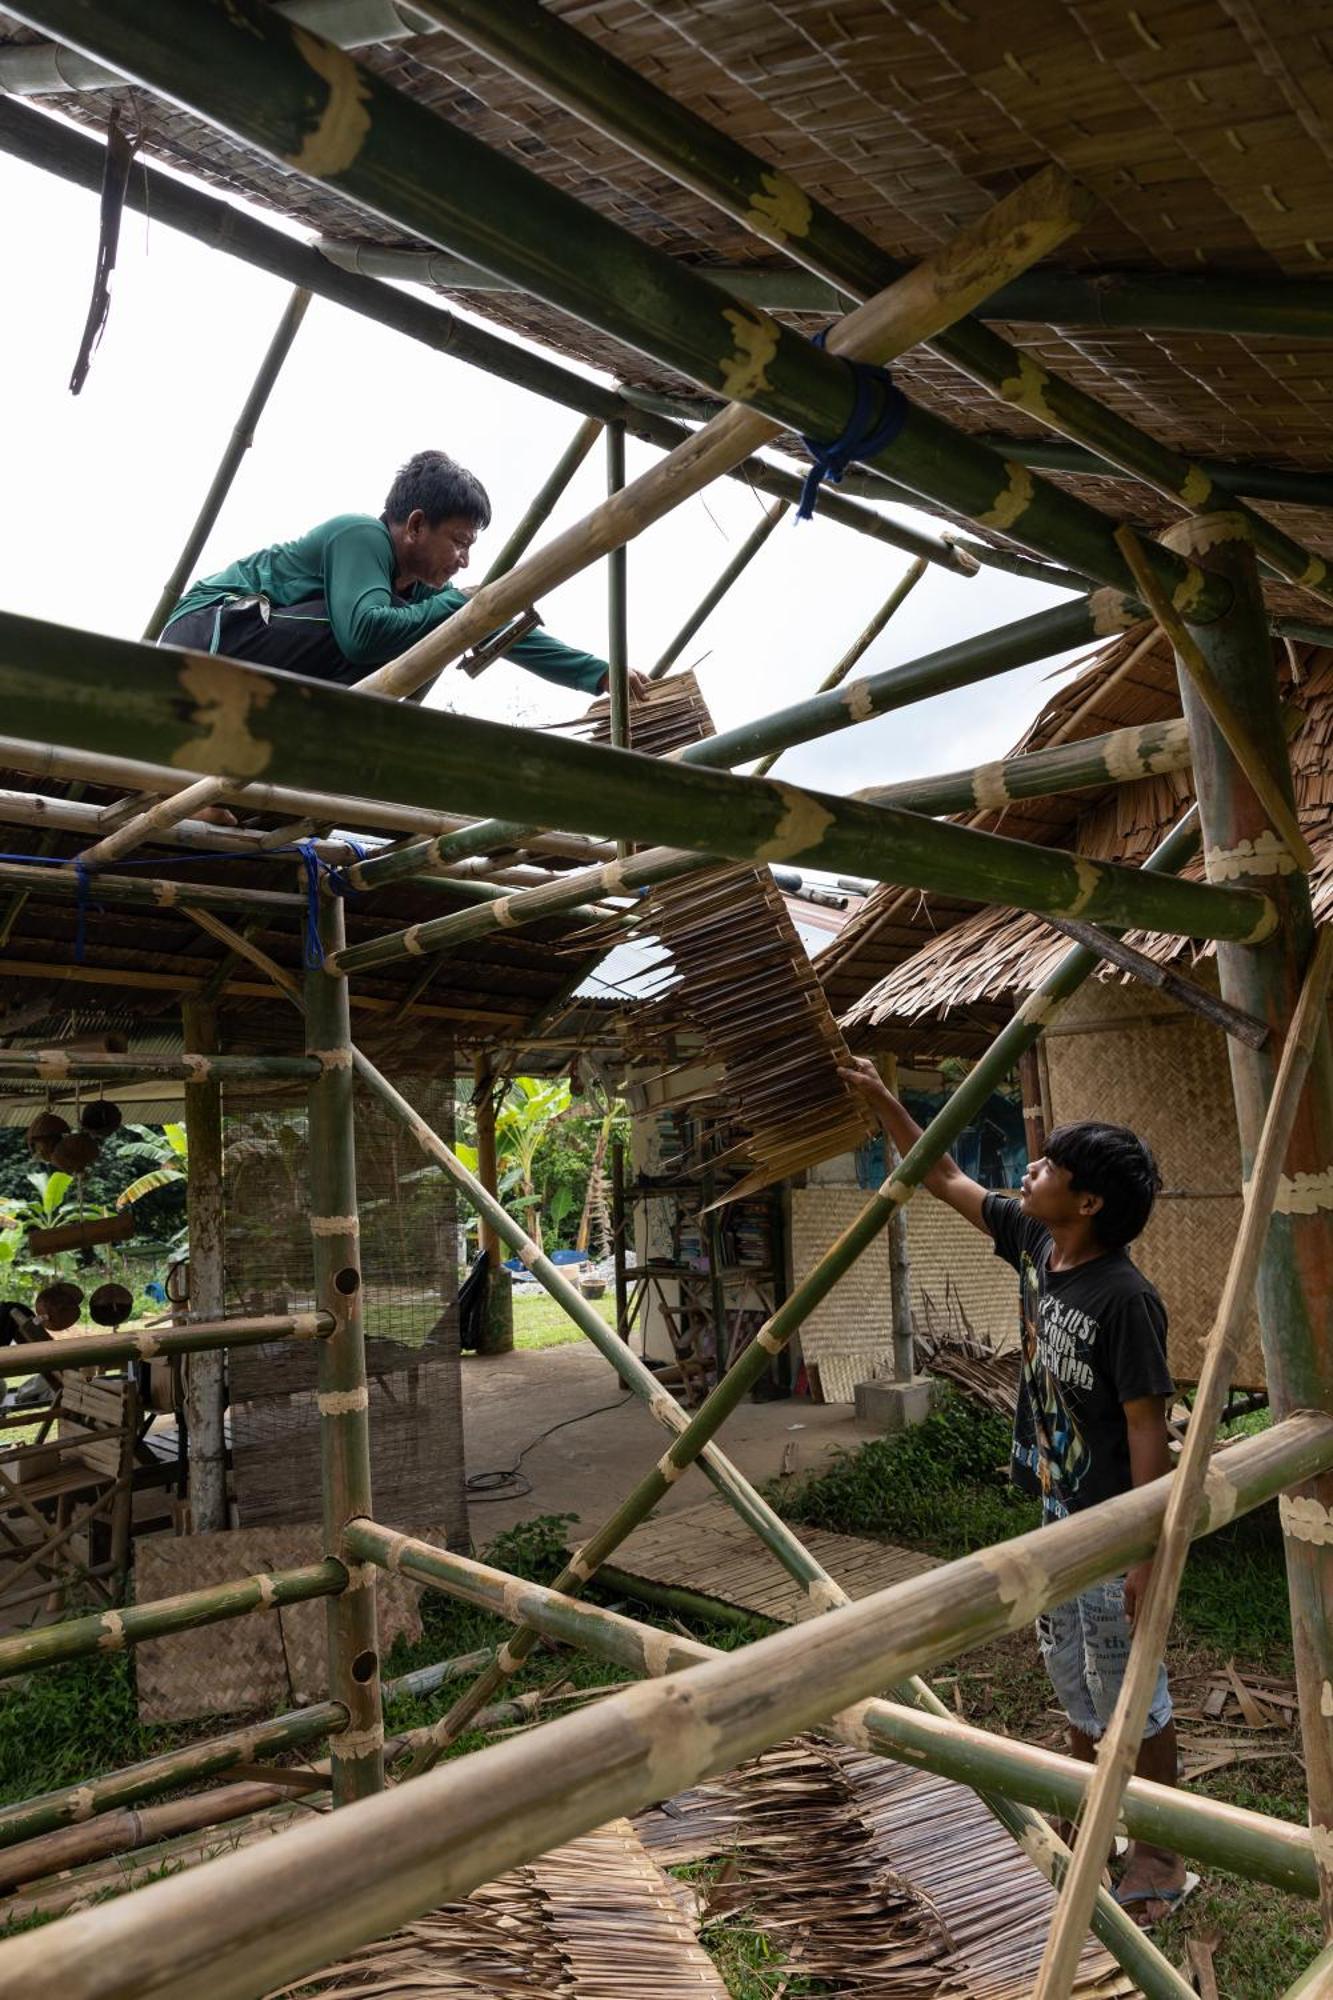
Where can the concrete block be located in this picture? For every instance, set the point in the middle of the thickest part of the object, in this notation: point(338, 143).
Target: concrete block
point(894, 1406)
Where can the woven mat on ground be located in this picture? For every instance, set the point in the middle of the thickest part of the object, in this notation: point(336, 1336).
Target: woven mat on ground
point(266, 1659)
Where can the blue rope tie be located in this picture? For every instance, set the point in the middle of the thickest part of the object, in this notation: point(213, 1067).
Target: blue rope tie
point(314, 950)
point(338, 881)
point(878, 414)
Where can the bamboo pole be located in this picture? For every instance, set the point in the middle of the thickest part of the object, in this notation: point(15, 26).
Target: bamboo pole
point(958, 665)
point(193, 1066)
point(1296, 1268)
point(488, 1171)
point(147, 824)
point(1187, 1496)
point(1120, 757)
point(1017, 1035)
point(343, 1396)
point(1257, 482)
point(1247, 1843)
point(221, 226)
point(713, 596)
point(57, 878)
point(1231, 1020)
point(113, 1631)
point(97, 691)
point(147, 1343)
point(544, 500)
point(617, 100)
point(249, 1925)
point(617, 599)
point(205, 1375)
point(864, 640)
point(240, 441)
point(79, 816)
point(1281, 812)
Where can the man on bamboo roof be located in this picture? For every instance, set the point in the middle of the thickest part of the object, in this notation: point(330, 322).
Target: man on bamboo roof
point(358, 590)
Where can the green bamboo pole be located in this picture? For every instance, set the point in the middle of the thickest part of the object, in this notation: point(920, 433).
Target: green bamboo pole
point(714, 595)
point(564, 897)
point(617, 599)
point(170, 703)
point(1120, 757)
point(147, 1343)
point(617, 100)
point(1160, 301)
point(92, 1066)
point(343, 1393)
point(1018, 1035)
point(59, 149)
point(957, 665)
point(1295, 1276)
point(1303, 630)
point(1256, 482)
point(205, 1373)
point(248, 1926)
point(57, 878)
point(544, 500)
point(240, 441)
point(1119, 1747)
point(1247, 1843)
point(112, 1631)
point(860, 645)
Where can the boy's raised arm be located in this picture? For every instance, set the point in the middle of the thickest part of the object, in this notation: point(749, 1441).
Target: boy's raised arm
point(946, 1179)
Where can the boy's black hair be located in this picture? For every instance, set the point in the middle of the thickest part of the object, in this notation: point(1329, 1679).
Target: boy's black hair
point(443, 490)
point(1113, 1162)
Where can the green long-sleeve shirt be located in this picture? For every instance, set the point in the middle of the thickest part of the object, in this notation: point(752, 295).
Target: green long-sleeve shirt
point(349, 562)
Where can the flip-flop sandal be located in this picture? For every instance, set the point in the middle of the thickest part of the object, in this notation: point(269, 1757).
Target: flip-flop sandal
point(1173, 1898)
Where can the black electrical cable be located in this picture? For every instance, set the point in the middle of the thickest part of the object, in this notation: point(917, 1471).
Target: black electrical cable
point(509, 1483)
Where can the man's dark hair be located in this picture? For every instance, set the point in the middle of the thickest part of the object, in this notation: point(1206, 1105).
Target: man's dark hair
point(1113, 1162)
point(442, 489)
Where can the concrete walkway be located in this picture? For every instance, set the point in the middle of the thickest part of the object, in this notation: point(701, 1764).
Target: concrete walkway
point(589, 1467)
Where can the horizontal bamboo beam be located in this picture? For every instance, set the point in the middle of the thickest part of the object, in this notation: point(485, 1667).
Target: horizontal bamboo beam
point(1250, 1844)
point(80, 816)
point(619, 101)
point(1256, 482)
point(57, 878)
point(147, 1343)
point(218, 224)
point(353, 1875)
point(97, 692)
point(1118, 758)
point(525, 906)
point(92, 1066)
point(113, 1631)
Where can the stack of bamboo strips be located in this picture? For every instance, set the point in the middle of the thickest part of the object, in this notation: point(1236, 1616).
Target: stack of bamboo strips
point(746, 984)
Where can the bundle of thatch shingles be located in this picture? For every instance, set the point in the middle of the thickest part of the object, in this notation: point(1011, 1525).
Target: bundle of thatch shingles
point(745, 986)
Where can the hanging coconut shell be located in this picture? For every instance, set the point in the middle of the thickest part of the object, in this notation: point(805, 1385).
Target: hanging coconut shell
point(43, 1132)
point(74, 1152)
point(101, 1117)
point(58, 1305)
point(110, 1304)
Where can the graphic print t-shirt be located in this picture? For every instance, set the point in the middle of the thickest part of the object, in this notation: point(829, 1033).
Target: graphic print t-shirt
point(1093, 1338)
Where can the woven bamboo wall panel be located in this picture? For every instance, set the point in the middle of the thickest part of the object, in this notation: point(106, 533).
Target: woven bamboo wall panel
point(950, 1260)
point(265, 1660)
point(849, 1335)
point(1126, 1053)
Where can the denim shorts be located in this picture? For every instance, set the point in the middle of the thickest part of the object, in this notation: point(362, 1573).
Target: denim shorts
point(1085, 1645)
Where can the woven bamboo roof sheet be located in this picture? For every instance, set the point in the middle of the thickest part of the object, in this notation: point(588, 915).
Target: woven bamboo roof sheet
point(1205, 131)
point(931, 979)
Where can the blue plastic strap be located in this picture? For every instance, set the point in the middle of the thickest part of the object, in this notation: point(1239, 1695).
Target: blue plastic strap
point(879, 412)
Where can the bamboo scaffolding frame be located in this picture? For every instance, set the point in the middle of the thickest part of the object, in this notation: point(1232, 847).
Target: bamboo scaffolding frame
point(618, 101)
point(112, 1631)
point(99, 691)
point(1188, 1492)
point(146, 1343)
point(350, 1876)
point(714, 595)
point(1248, 1843)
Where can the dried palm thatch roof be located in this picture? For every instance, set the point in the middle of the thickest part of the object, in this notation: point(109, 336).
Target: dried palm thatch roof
point(1198, 129)
point(948, 968)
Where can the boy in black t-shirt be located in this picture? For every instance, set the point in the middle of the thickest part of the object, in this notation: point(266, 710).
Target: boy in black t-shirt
point(1091, 1415)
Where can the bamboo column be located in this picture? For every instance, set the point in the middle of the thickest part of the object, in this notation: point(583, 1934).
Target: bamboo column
point(1247, 1843)
point(713, 596)
point(1120, 1746)
point(900, 1269)
point(205, 1371)
point(617, 600)
point(240, 441)
point(861, 645)
point(487, 1166)
point(343, 1395)
point(1295, 1278)
point(256, 1921)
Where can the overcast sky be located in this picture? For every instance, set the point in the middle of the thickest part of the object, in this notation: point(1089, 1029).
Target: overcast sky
point(100, 489)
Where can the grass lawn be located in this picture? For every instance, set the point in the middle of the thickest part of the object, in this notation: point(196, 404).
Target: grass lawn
point(540, 1322)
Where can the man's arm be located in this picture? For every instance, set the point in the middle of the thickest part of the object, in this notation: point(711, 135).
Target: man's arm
point(946, 1179)
point(1149, 1458)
